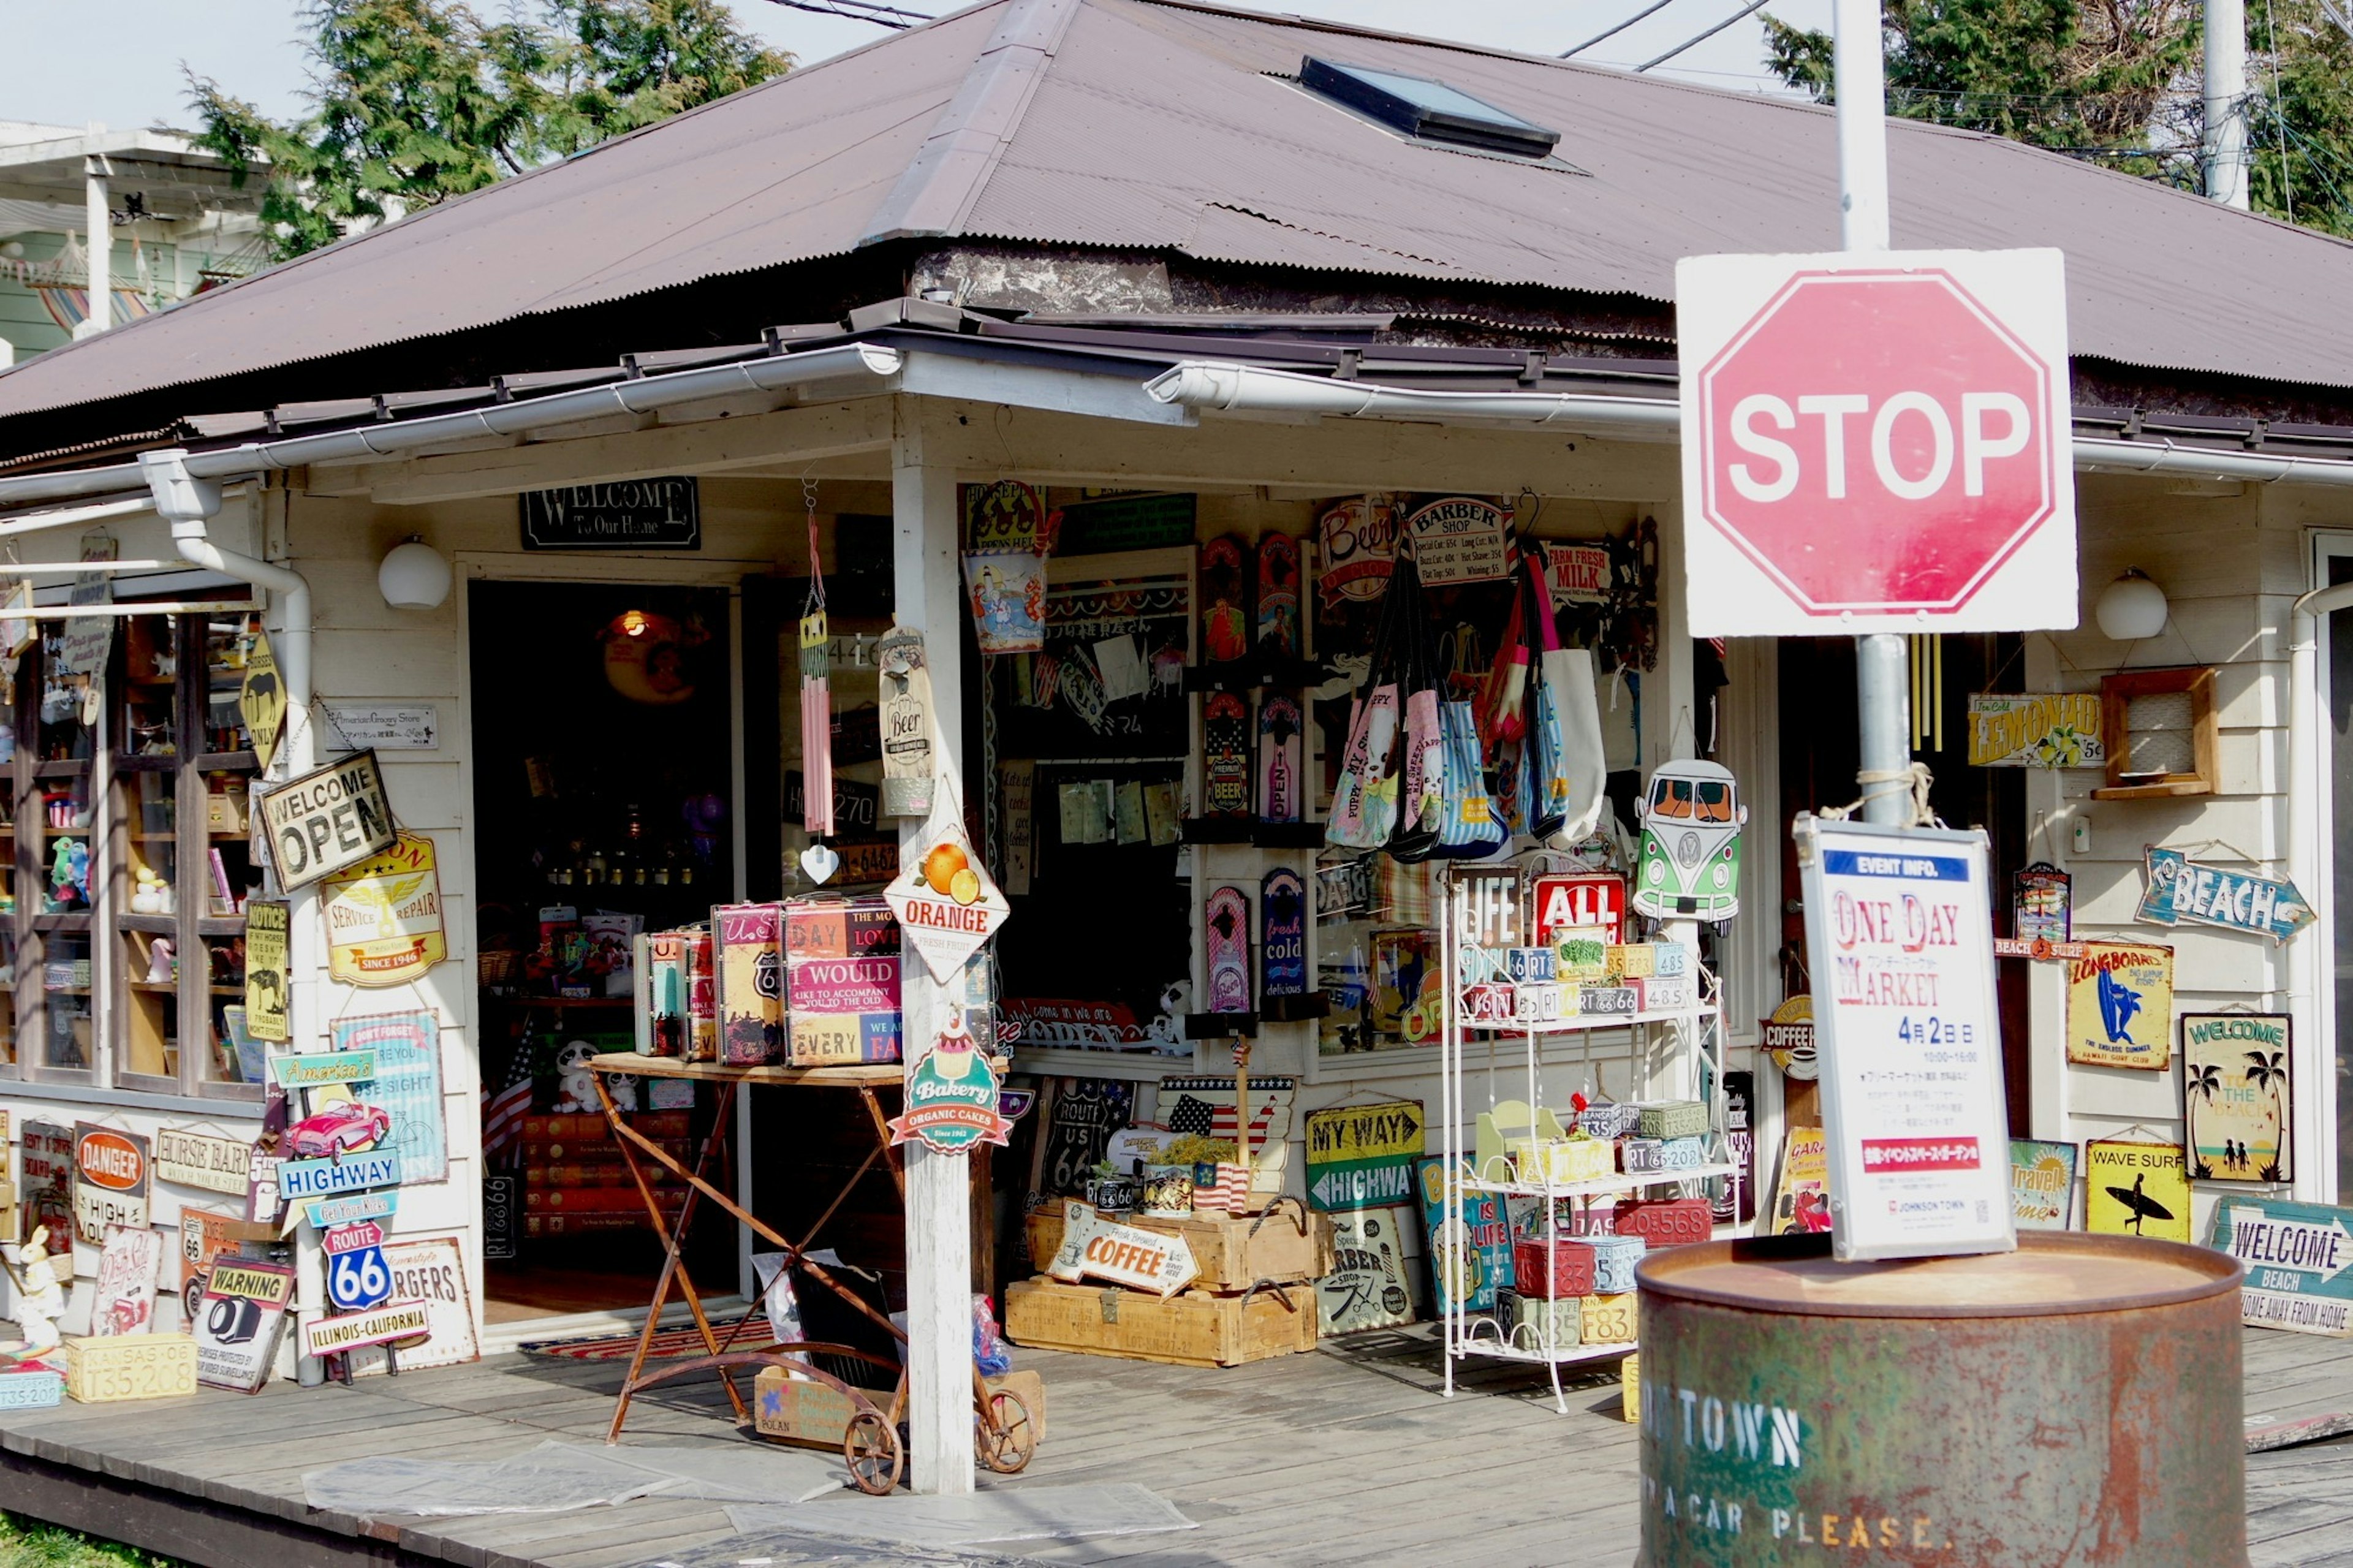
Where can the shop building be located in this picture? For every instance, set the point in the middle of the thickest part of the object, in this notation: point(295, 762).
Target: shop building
point(1051, 244)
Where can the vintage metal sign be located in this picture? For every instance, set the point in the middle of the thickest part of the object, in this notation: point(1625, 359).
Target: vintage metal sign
point(1093, 1247)
point(127, 1268)
point(2238, 1085)
point(407, 1084)
point(905, 718)
point(384, 916)
point(356, 1276)
point(2042, 1184)
point(196, 1159)
point(261, 699)
point(1362, 1156)
point(1577, 574)
point(237, 1322)
point(1359, 539)
point(46, 1168)
point(325, 1212)
point(2120, 1006)
point(625, 514)
point(1368, 1285)
point(432, 1271)
point(2297, 1257)
point(1459, 540)
point(266, 956)
point(111, 1181)
point(1585, 899)
point(1469, 1257)
point(323, 1178)
point(2179, 888)
point(384, 726)
point(1908, 1036)
point(952, 1098)
point(2043, 905)
point(1283, 939)
point(945, 900)
point(323, 1067)
point(380, 1325)
point(2060, 730)
point(2136, 1189)
point(327, 820)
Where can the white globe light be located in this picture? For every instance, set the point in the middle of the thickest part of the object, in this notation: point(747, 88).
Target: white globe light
point(2130, 609)
point(412, 577)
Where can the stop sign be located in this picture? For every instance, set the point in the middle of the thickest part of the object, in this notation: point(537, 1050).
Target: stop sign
point(1876, 442)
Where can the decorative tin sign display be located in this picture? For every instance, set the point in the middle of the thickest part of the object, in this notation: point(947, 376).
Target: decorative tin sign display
point(266, 954)
point(432, 1271)
point(299, 1179)
point(1577, 574)
point(1471, 1258)
point(1586, 899)
point(2239, 1095)
point(1368, 1284)
point(47, 1169)
point(2042, 904)
point(111, 1181)
point(356, 1276)
point(261, 699)
point(384, 916)
point(663, 513)
point(1283, 943)
point(1094, 1248)
point(1459, 540)
point(315, 1070)
point(2297, 1256)
point(1226, 940)
point(945, 900)
point(2136, 1189)
point(905, 721)
point(952, 1096)
point(1358, 538)
point(327, 820)
point(380, 1325)
point(1362, 1156)
point(2120, 1006)
point(1801, 1202)
point(1281, 778)
point(1007, 515)
point(2180, 889)
point(2056, 730)
point(1225, 760)
point(1910, 1038)
point(125, 1299)
point(195, 1160)
point(1277, 596)
point(405, 1084)
point(1224, 597)
point(2042, 1184)
point(238, 1321)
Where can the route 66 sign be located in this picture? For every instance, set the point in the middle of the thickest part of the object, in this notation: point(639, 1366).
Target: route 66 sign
point(356, 1276)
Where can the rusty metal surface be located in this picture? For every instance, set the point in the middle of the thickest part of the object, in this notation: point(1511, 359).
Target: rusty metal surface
point(2078, 1439)
point(1150, 126)
point(2052, 1272)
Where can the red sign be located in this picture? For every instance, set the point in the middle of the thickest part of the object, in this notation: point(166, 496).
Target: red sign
point(109, 1160)
point(1584, 898)
point(1878, 442)
point(353, 1238)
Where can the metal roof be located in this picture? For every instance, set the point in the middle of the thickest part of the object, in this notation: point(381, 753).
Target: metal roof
point(1170, 126)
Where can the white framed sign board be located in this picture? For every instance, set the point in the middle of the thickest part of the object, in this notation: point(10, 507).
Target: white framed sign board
point(1899, 927)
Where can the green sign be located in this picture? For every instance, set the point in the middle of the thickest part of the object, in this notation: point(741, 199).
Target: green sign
point(2299, 1260)
point(1125, 523)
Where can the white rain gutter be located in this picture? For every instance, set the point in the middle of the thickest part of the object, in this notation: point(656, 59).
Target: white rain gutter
point(188, 503)
point(866, 363)
point(1250, 389)
point(2310, 865)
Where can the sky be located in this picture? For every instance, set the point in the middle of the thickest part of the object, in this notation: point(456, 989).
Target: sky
point(122, 62)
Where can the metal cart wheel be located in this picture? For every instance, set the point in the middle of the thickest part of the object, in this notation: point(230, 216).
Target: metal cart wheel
point(871, 1445)
point(1003, 1434)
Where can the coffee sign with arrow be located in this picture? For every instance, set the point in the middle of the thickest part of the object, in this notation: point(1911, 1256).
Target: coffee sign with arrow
point(2297, 1255)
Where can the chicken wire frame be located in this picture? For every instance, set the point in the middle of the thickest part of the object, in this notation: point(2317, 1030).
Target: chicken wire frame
point(2119, 695)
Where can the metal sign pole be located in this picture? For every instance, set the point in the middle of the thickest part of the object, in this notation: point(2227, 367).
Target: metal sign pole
point(1884, 696)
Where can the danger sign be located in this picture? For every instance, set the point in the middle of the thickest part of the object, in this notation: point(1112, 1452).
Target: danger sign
point(1876, 442)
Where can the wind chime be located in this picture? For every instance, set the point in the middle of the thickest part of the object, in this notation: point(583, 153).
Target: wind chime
point(816, 695)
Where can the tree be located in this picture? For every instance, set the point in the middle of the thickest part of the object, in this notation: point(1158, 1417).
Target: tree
point(418, 100)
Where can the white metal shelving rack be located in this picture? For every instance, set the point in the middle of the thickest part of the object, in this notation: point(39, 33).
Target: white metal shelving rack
point(1695, 1072)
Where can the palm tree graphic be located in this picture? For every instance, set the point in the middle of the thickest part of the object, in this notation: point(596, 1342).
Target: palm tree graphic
point(2205, 1082)
point(2268, 1070)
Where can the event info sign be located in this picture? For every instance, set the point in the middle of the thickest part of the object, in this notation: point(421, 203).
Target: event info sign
point(1908, 1040)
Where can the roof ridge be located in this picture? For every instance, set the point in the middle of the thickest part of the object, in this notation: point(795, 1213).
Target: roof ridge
point(937, 191)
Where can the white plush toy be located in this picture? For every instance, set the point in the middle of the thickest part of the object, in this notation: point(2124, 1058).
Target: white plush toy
point(577, 1089)
point(1167, 1031)
point(41, 1301)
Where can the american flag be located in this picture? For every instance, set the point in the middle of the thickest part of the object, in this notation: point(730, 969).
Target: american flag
point(502, 1113)
point(1215, 1118)
point(1230, 1191)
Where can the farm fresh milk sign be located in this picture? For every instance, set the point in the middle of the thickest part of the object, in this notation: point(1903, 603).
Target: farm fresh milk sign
point(2297, 1255)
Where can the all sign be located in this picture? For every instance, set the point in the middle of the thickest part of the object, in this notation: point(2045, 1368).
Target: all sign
point(1876, 443)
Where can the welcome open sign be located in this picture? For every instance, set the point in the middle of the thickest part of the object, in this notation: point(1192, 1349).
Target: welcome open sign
point(327, 820)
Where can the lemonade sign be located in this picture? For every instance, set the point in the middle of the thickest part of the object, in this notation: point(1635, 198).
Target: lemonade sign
point(952, 1096)
point(946, 902)
point(2055, 729)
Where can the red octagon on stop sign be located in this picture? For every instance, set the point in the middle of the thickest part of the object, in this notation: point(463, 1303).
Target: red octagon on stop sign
point(1877, 441)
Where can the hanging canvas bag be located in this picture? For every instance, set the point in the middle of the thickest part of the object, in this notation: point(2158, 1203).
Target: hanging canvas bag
point(1423, 770)
point(1548, 765)
point(1469, 824)
point(1574, 780)
point(1365, 797)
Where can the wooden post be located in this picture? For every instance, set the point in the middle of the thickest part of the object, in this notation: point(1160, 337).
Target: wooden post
point(930, 598)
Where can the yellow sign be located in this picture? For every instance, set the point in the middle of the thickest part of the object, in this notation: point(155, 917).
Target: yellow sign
point(2136, 1189)
point(2055, 729)
point(1364, 1132)
point(2120, 1006)
point(384, 916)
point(1801, 1203)
point(266, 1017)
point(261, 699)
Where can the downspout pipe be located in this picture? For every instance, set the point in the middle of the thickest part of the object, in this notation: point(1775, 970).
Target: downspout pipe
point(188, 503)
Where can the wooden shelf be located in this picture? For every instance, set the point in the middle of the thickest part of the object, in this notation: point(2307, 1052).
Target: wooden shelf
point(145, 762)
point(161, 925)
point(2153, 791)
point(220, 926)
point(77, 920)
point(70, 768)
point(227, 763)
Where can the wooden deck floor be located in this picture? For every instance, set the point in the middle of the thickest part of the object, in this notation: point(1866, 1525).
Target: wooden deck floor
point(1343, 1457)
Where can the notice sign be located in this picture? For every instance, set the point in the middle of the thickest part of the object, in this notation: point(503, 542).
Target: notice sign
point(326, 820)
point(266, 932)
point(2297, 1257)
point(1907, 1038)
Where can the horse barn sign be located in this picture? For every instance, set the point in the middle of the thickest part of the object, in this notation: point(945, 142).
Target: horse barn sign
point(326, 820)
point(1876, 442)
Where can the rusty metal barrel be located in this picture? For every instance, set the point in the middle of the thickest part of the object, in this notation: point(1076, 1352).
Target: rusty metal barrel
point(2075, 1404)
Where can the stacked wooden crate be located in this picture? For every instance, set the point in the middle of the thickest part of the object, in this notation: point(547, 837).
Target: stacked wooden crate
point(1253, 1298)
point(576, 1182)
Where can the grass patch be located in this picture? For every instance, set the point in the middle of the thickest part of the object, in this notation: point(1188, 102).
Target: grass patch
point(29, 1543)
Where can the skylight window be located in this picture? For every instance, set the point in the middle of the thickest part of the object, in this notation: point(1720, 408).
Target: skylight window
point(1426, 110)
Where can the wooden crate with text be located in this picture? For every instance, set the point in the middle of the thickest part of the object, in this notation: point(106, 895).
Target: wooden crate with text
point(1232, 1251)
point(1191, 1329)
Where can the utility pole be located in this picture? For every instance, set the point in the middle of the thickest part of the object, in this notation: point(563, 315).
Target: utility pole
point(1884, 696)
point(2225, 140)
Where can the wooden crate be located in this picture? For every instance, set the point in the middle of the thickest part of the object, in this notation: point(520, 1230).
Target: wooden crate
point(131, 1366)
point(1234, 1251)
point(799, 1411)
point(1192, 1329)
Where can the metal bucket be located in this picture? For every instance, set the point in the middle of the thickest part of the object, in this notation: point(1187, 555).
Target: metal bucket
point(2075, 1404)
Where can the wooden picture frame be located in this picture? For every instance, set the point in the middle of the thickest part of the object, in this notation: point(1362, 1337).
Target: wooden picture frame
point(2119, 693)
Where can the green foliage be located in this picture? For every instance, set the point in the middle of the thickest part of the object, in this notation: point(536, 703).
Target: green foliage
point(28, 1544)
point(415, 101)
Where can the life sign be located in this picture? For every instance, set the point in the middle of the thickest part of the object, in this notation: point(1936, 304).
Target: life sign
point(1876, 443)
point(2297, 1257)
point(326, 820)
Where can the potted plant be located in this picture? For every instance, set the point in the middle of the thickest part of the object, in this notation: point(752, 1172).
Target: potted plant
point(1109, 1191)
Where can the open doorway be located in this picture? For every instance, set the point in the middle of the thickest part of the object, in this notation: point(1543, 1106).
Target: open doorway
point(602, 718)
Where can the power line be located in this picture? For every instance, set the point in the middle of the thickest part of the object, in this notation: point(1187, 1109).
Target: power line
point(1748, 10)
point(1649, 10)
point(857, 10)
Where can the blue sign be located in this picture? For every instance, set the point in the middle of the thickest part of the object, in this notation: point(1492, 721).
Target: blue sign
point(2297, 1257)
point(325, 1212)
point(358, 1279)
point(2181, 889)
point(1282, 919)
point(325, 1178)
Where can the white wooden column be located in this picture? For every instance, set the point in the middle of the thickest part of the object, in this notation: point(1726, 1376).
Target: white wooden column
point(930, 598)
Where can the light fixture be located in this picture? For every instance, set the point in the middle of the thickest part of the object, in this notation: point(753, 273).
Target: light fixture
point(633, 623)
point(2130, 608)
point(414, 576)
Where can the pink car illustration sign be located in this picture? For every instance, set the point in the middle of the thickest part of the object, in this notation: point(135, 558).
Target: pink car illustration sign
point(345, 1127)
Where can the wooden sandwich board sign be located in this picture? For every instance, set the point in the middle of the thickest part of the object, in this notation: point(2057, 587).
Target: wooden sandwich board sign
point(336, 817)
point(2299, 1260)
